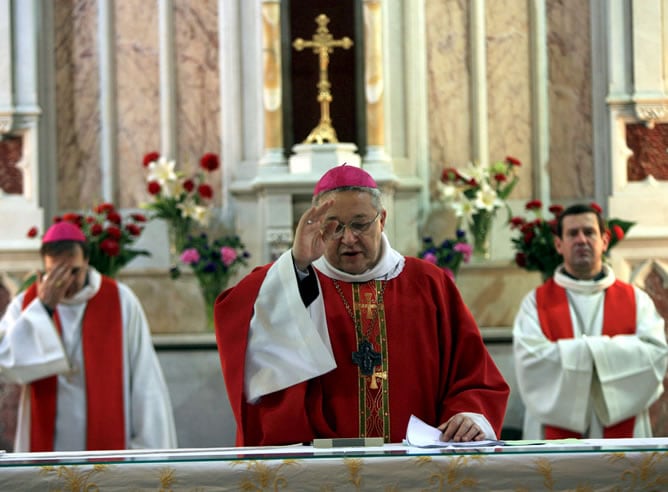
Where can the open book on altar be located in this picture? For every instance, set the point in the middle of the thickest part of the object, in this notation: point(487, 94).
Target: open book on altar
point(422, 435)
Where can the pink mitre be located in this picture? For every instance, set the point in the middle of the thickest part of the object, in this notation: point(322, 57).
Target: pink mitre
point(63, 231)
point(344, 175)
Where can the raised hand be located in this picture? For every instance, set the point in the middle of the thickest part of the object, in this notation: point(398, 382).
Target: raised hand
point(52, 287)
point(309, 244)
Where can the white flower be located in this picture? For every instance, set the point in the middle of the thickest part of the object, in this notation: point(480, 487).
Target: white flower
point(478, 173)
point(464, 208)
point(448, 192)
point(486, 198)
point(162, 171)
point(173, 188)
point(202, 215)
point(190, 209)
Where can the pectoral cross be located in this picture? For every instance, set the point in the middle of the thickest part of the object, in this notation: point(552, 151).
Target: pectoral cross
point(378, 374)
point(366, 358)
point(323, 44)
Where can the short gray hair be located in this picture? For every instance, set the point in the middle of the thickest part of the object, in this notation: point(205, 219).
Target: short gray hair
point(376, 200)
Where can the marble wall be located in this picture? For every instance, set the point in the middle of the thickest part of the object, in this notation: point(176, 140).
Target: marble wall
point(77, 107)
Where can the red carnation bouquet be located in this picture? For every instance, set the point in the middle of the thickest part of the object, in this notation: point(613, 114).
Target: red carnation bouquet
point(184, 202)
point(534, 245)
point(109, 235)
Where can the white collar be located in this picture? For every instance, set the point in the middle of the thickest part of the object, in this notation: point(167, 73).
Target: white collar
point(390, 265)
point(88, 290)
point(585, 286)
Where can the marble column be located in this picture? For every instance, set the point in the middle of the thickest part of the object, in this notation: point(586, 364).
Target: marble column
point(20, 114)
point(272, 87)
point(374, 83)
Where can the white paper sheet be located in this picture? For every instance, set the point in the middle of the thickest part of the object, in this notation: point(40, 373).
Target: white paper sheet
point(423, 435)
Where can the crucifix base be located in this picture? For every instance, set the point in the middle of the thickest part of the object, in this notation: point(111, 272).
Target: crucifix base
point(319, 158)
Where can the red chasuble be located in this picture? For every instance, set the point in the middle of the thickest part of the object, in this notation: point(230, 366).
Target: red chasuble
point(619, 318)
point(434, 360)
point(102, 347)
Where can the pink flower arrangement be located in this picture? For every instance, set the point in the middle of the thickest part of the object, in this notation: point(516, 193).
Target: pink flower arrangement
point(213, 263)
point(449, 255)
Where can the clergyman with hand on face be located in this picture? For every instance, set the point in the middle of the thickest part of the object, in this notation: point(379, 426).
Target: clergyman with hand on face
point(343, 336)
point(590, 350)
point(80, 345)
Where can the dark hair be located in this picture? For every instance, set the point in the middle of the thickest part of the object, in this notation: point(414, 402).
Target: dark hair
point(57, 248)
point(577, 209)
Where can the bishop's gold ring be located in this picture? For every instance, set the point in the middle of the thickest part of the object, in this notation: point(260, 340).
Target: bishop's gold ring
point(59, 283)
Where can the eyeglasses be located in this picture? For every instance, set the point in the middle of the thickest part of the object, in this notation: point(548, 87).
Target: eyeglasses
point(334, 229)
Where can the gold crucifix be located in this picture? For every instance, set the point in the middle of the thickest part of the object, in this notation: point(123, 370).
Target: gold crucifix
point(378, 374)
point(323, 44)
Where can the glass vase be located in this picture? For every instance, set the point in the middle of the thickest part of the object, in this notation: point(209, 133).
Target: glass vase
point(210, 289)
point(177, 232)
point(480, 230)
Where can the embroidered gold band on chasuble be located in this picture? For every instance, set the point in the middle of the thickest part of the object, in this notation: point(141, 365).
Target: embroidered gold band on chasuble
point(371, 357)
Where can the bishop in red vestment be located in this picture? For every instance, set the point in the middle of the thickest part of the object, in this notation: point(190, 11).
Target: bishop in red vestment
point(343, 336)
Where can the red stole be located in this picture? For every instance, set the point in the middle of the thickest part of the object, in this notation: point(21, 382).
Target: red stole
point(102, 346)
point(619, 318)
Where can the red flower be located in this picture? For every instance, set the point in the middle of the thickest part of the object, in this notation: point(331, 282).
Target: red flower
point(205, 190)
point(516, 222)
point(114, 217)
point(527, 226)
point(528, 236)
point(104, 208)
point(73, 218)
point(618, 232)
point(500, 177)
point(154, 187)
point(534, 205)
point(513, 161)
point(556, 210)
point(138, 217)
point(114, 232)
point(450, 174)
point(32, 232)
point(111, 247)
point(96, 229)
point(150, 157)
point(90, 220)
point(57, 219)
point(209, 162)
point(520, 259)
point(553, 226)
point(596, 207)
point(188, 185)
point(133, 229)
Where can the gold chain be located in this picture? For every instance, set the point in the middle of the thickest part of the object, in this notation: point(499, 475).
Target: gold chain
point(358, 323)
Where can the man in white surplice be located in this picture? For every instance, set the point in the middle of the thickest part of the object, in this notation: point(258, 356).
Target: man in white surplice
point(80, 345)
point(590, 351)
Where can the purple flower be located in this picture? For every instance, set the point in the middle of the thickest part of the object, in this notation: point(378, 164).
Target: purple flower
point(465, 249)
point(190, 256)
point(430, 257)
point(228, 255)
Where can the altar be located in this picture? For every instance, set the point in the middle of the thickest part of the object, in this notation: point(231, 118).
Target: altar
point(604, 464)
